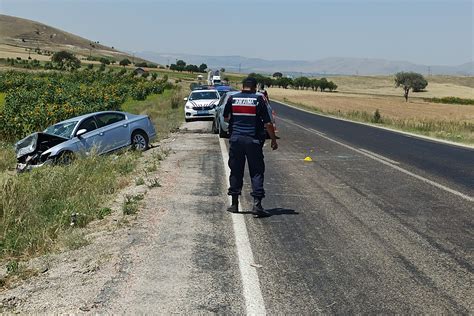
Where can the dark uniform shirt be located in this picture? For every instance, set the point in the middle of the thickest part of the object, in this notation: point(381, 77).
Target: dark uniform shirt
point(249, 114)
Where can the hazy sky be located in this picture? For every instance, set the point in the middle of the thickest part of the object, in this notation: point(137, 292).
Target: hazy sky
point(420, 31)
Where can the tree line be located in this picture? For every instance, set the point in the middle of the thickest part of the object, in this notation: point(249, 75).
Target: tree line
point(407, 80)
point(182, 66)
point(300, 83)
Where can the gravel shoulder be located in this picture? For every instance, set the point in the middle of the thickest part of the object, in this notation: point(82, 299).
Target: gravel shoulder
point(175, 255)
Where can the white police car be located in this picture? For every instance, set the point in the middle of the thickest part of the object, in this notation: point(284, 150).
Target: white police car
point(201, 104)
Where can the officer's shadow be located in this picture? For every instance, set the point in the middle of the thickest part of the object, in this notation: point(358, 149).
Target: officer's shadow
point(275, 211)
point(281, 211)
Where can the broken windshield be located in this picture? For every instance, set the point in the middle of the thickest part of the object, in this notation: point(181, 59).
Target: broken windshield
point(62, 129)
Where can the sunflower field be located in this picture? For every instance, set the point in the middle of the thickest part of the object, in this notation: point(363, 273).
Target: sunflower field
point(34, 101)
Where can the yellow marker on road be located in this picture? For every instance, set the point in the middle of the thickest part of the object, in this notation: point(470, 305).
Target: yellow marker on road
point(308, 159)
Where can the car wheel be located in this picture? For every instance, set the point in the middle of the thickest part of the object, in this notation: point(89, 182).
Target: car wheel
point(187, 120)
point(222, 133)
point(139, 141)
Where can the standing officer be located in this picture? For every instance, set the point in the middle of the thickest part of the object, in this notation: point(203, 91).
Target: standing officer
point(248, 117)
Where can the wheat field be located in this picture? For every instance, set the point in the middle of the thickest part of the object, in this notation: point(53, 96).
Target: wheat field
point(393, 107)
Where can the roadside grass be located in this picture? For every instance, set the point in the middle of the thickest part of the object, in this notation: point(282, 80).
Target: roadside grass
point(2, 100)
point(15, 271)
point(457, 131)
point(166, 110)
point(7, 157)
point(38, 206)
point(131, 204)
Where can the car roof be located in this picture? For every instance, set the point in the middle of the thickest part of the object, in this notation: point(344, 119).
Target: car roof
point(206, 90)
point(81, 117)
point(223, 87)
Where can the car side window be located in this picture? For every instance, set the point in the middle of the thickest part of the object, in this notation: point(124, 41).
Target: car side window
point(109, 118)
point(88, 124)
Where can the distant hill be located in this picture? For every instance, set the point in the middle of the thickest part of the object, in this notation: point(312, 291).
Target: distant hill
point(333, 66)
point(26, 34)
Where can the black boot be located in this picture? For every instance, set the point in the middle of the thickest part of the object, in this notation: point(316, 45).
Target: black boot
point(234, 208)
point(257, 208)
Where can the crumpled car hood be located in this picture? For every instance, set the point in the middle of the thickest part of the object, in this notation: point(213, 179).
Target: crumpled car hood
point(37, 142)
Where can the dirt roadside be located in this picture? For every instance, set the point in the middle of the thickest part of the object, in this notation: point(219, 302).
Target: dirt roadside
point(167, 257)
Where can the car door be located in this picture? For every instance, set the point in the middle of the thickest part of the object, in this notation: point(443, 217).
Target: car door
point(92, 140)
point(115, 128)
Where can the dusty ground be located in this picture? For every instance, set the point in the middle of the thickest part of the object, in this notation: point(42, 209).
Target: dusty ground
point(8, 51)
point(123, 251)
point(393, 107)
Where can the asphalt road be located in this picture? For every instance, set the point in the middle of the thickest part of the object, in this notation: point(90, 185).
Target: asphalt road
point(378, 223)
point(353, 232)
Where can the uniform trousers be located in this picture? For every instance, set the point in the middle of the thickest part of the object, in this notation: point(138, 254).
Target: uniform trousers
point(248, 148)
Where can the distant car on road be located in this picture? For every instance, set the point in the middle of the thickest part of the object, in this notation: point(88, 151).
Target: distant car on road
point(223, 89)
point(201, 104)
point(220, 126)
point(101, 131)
point(196, 86)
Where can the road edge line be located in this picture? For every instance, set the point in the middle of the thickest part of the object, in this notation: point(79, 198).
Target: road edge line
point(393, 162)
point(413, 135)
point(254, 303)
point(414, 175)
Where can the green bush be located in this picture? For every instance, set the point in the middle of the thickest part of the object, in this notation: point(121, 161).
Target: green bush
point(377, 117)
point(451, 100)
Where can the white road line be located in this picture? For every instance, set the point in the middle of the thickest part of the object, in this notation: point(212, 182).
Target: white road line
point(251, 285)
point(317, 132)
point(379, 156)
point(433, 183)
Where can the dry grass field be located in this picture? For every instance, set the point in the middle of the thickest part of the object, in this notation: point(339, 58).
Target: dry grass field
point(359, 97)
point(393, 107)
point(438, 86)
point(8, 51)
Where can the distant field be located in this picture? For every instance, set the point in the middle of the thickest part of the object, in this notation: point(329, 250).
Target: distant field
point(438, 86)
point(8, 51)
point(394, 107)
